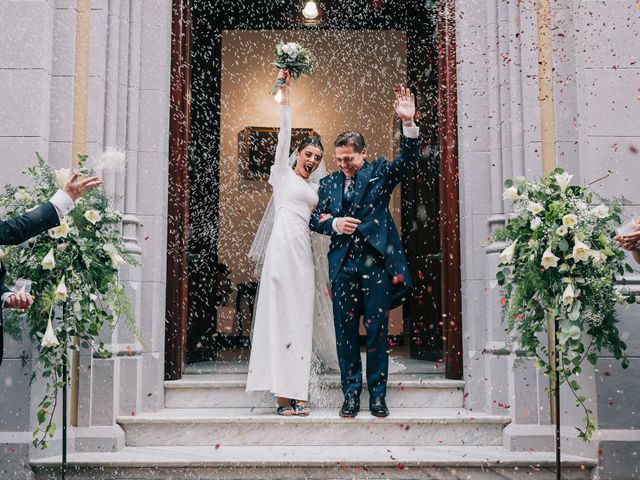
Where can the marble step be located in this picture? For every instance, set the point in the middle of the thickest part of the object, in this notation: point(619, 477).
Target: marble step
point(261, 426)
point(324, 463)
point(228, 390)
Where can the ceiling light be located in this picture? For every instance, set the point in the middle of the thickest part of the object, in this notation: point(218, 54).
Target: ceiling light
point(310, 10)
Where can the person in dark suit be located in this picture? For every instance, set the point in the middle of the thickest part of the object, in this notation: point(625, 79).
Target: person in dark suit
point(367, 266)
point(22, 228)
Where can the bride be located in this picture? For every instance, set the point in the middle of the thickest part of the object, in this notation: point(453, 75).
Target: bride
point(288, 300)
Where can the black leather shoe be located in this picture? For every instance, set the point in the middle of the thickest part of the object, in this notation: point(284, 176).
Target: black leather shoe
point(350, 407)
point(378, 407)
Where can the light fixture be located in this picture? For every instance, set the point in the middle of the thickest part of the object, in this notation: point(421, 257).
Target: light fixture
point(310, 10)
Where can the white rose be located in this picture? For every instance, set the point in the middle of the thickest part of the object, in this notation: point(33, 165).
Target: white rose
point(562, 230)
point(581, 205)
point(563, 180)
point(535, 223)
point(535, 207)
point(568, 295)
point(581, 252)
point(61, 231)
point(507, 254)
point(93, 216)
point(601, 211)
point(49, 339)
point(511, 193)
point(549, 259)
point(285, 48)
point(62, 176)
point(61, 291)
point(597, 256)
point(22, 195)
point(49, 261)
point(569, 220)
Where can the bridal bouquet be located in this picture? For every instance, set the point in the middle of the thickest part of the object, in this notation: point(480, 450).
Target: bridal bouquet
point(74, 273)
point(294, 58)
point(561, 261)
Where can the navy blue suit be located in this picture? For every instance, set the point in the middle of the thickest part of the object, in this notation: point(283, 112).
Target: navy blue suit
point(368, 270)
point(21, 229)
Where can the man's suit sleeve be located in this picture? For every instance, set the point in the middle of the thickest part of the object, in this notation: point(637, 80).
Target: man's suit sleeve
point(315, 224)
point(23, 227)
point(404, 165)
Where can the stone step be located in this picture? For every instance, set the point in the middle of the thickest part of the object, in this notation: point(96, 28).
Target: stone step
point(228, 390)
point(261, 426)
point(325, 463)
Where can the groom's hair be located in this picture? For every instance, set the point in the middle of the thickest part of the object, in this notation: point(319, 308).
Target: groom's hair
point(355, 139)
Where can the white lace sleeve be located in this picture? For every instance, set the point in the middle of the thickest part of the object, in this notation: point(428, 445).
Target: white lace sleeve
point(281, 163)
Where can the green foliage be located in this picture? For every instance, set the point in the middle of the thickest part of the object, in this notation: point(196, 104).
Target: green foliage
point(87, 250)
point(563, 264)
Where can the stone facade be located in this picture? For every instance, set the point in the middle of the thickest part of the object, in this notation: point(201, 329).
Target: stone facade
point(596, 78)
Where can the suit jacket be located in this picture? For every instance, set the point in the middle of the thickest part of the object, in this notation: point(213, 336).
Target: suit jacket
point(374, 184)
point(21, 229)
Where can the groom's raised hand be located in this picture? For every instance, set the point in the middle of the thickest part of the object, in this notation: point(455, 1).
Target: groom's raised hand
point(405, 104)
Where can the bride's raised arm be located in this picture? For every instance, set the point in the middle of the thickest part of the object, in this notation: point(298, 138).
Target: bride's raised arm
point(284, 136)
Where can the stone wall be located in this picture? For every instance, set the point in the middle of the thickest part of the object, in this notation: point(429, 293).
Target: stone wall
point(128, 109)
point(597, 114)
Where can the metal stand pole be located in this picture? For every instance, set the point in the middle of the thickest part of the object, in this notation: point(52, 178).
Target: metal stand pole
point(63, 469)
point(557, 403)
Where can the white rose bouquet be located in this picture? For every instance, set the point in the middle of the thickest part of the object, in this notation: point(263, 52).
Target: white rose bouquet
point(74, 274)
point(294, 58)
point(561, 260)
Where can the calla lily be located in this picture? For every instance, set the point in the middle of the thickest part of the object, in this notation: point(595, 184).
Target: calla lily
point(563, 180)
point(568, 295)
point(49, 339)
point(116, 258)
point(601, 211)
point(581, 252)
point(62, 176)
point(562, 230)
point(507, 254)
point(549, 259)
point(535, 207)
point(61, 231)
point(92, 216)
point(569, 220)
point(49, 261)
point(61, 291)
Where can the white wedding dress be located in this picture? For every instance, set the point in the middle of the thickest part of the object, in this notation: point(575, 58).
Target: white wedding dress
point(281, 348)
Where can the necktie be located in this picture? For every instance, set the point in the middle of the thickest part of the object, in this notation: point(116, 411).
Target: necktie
point(351, 190)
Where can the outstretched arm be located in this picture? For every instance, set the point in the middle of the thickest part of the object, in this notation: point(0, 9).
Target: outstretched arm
point(284, 136)
point(405, 163)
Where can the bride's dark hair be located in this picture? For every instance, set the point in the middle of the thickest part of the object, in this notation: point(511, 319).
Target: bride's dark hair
point(313, 140)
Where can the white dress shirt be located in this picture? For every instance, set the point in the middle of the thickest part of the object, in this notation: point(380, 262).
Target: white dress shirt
point(63, 204)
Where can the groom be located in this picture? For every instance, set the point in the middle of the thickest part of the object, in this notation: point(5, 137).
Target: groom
point(367, 266)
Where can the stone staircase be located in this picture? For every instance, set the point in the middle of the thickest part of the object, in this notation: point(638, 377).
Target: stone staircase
point(211, 429)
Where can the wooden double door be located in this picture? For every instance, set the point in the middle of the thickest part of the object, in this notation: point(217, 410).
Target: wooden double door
point(196, 281)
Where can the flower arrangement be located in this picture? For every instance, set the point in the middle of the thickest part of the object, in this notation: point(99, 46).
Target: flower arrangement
point(73, 269)
point(294, 58)
point(561, 261)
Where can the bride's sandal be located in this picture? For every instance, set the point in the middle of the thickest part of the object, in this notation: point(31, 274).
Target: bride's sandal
point(301, 410)
point(286, 410)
